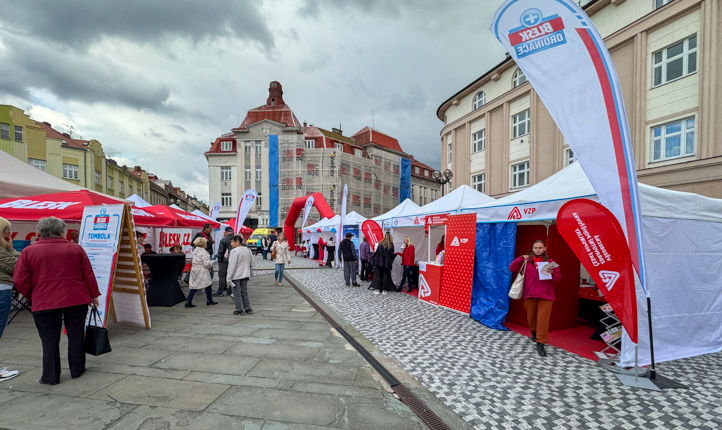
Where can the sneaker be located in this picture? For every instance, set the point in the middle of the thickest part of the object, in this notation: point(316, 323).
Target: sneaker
point(383, 292)
point(237, 313)
point(249, 311)
point(7, 374)
point(377, 292)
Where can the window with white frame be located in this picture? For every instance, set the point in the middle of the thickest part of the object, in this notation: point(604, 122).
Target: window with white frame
point(338, 146)
point(569, 156)
point(478, 141)
point(97, 177)
point(247, 147)
point(110, 180)
point(258, 147)
point(520, 124)
point(121, 186)
point(416, 169)
point(309, 143)
point(225, 173)
point(519, 77)
point(520, 175)
point(37, 163)
point(358, 153)
point(660, 3)
point(226, 199)
point(226, 146)
point(478, 182)
point(70, 171)
point(18, 133)
point(675, 61)
point(479, 100)
point(258, 173)
point(4, 131)
point(673, 140)
point(248, 173)
point(449, 149)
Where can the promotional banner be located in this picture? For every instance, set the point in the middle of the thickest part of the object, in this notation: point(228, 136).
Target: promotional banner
point(339, 231)
point(372, 231)
point(405, 180)
point(597, 239)
point(214, 211)
point(307, 209)
point(458, 274)
point(244, 206)
point(430, 282)
point(273, 181)
point(167, 237)
point(561, 53)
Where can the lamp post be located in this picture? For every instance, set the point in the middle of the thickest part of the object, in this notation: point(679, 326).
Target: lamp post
point(442, 178)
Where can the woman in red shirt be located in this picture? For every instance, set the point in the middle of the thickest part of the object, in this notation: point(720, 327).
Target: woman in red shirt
point(321, 245)
point(538, 293)
point(440, 246)
point(407, 260)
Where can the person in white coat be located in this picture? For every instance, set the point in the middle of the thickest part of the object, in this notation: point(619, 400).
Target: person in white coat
point(283, 257)
point(200, 277)
point(240, 262)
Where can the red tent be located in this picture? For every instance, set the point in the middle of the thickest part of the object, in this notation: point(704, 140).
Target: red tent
point(244, 230)
point(146, 217)
point(182, 218)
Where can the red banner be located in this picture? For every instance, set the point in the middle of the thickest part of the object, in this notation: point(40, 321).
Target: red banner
point(430, 282)
point(372, 231)
point(458, 271)
point(597, 239)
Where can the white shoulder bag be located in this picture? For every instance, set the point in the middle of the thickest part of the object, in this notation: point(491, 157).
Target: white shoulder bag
point(517, 287)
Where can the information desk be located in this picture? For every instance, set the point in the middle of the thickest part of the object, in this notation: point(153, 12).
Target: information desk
point(164, 289)
point(430, 282)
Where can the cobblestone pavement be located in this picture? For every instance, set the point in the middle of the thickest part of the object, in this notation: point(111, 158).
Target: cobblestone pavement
point(495, 379)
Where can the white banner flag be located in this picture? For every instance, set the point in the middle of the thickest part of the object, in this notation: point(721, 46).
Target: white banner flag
point(307, 209)
point(564, 58)
point(214, 211)
point(244, 206)
point(339, 232)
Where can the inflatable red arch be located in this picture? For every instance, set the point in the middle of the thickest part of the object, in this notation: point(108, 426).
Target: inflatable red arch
point(289, 229)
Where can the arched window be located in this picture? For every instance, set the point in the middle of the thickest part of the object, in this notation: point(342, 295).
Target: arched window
point(519, 77)
point(479, 100)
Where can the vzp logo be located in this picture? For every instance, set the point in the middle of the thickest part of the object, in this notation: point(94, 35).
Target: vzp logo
point(458, 242)
point(514, 214)
point(609, 278)
point(424, 290)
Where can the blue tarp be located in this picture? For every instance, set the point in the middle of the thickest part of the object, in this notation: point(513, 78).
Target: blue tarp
point(273, 179)
point(495, 244)
point(405, 180)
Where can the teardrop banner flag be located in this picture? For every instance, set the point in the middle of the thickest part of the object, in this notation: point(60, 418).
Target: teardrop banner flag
point(343, 219)
point(214, 211)
point(372, 231)
point(597, 239)
point(557, 47)
point(307, 209)
point(244, 206)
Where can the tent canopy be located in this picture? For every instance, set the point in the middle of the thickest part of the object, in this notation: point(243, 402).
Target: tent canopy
point(462, 196)
point(19, 179)
point(232, 223)
point(404, 208)
point(138, 201)
point(183, 218)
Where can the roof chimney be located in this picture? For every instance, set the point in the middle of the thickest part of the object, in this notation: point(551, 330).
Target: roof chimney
point(338, 130)
point(275, 94)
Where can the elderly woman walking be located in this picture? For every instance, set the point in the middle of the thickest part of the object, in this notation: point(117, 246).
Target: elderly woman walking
point(240, 262)
point(283, 256)
point(56, 276)
point(200, 277)
point(8, 258)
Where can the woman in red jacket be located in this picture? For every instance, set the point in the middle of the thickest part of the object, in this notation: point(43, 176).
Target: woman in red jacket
point(408, 258)
point(440, 245)
point(56, 276)
point(321, 245)
point(538, 293)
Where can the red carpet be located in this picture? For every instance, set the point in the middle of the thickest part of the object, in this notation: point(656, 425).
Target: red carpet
point(575, 340)
point(413, 293)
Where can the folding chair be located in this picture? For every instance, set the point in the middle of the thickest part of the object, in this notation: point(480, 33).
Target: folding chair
point(18, 303)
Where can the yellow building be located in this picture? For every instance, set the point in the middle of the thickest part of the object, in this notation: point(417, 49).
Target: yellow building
point(18, 132)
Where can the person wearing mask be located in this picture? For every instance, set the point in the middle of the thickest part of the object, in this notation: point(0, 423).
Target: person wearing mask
point(364, 256)
point(538, 293)
point(383, 260)
point(200, 278)
point(8, 258)
point(408, 257)
point(330, 252)
point(440, 245)
point(283, 257)
point(321, 246)
point(348, 253)
point(224, 248)
point(240, 263)
point(56, 276)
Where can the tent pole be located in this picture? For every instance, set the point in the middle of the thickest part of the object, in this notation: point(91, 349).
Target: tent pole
point(636, 361)
point(652, 371)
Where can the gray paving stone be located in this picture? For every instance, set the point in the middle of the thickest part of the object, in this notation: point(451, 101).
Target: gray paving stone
point(147, 418)
point(272, 351)
point(359, 416)
point(142, 390)
point(312, 335)
point(191, 345)
point(221, 378)
point(223, 330)
point(226, 364)
point(291, 369)
point(86, 384)
point(137, 370)
point(338, 390)
point(131, 356)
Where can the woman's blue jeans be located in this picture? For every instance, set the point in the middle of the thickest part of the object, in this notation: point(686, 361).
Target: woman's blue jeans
point(279, 272)
point(6, 299)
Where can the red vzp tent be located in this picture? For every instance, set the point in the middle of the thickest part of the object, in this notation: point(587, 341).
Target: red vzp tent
point(182, 218)
point(244, 230)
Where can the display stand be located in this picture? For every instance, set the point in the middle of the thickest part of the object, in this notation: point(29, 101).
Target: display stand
point(612, 336)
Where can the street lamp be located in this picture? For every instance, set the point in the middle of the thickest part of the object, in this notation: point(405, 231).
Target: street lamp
point(442, 178)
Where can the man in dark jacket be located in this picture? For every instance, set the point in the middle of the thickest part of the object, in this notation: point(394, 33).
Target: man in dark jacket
point(348, 254)
point(223, 246)
point(206, 233)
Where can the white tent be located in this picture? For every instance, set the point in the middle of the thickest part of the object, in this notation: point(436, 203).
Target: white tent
point(682, 235)
point(19, 179)
point(138, 201)
point(462, 196)
point(404, 208)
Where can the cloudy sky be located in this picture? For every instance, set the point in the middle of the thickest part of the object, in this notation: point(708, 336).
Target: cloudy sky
point(157, 81)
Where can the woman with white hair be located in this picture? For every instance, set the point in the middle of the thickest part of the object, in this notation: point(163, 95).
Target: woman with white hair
point(8, 258)
point(56, 276)
point(200, 277)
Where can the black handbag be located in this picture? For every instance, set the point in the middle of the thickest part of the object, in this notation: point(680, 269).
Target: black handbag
point(97, 341)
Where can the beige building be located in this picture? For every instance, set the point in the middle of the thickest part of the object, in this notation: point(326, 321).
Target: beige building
point(499, 137)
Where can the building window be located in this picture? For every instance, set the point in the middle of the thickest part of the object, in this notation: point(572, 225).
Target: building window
point(97, 177)
point(309, 144)
point(258, 147)
point(248, 173)
point(569, 156)
point(417, 170)
point(675, 61)
point(673, 140)
point(18, 133)
point(120, 186)
point(247, 148)
point(520, 124)
point(226, 146)
point(520, 175)
point(358, 153)
point(478, 141)
point(426, 172)
point(225, 173)
point(519, 77)
point(449, 149)
point(259, 203)
point(660, 3)
point(110, 181)
point(479, 100)
point(478, 182)
point(4, 131)
point(338, 146)
point(38, 164)
point(258, 173)
point(226, 199)
point(130, 189)
point(70, 171)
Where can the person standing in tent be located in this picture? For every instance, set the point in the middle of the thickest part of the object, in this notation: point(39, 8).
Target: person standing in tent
point(330, 252)
point(364, 255)
point(8, 258)
point(283, 257)
point(224, 248)
point(408, 256)
point(440, 245)
point(321, 246)
point(240, 262)
point(383, 260)
point(538, 293)
point(200, 278)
